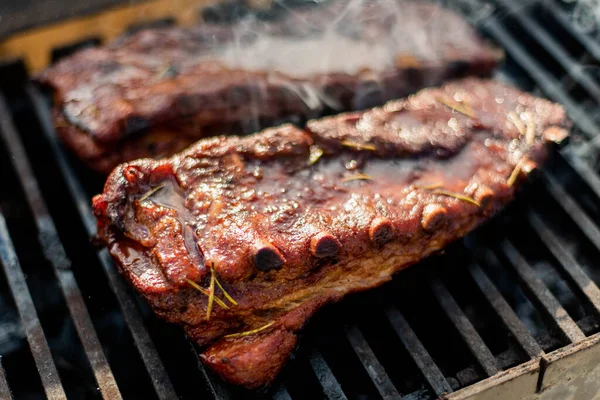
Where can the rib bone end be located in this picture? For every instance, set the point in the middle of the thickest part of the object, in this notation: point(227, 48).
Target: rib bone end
point(267, 257)
point(324, 244)
point(434, 216)
point(381, 231)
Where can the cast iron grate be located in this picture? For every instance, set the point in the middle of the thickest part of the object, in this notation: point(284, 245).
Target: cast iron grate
point(519, 288)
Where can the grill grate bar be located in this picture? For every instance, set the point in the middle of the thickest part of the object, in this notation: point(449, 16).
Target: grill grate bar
point(571, 207)
point(331, 387)
point(554, 90)
point(574, 271)
point(561, 16)
point(543, 78)
point(585, 172)
point(384, 385)
point(476, 345)
point(55, 253)
point(503, 309)
point(160, 380)
point(418, 353)
point(31, 323)
point(216, 387)
point(281, 393)
point(4, 388)
point(574, 69)
point(542, 295)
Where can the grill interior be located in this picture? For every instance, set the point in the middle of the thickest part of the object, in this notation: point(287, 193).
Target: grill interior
point(519, 288)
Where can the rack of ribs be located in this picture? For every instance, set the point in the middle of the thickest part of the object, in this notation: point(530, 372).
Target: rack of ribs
point(241, 239)
point(157, 91)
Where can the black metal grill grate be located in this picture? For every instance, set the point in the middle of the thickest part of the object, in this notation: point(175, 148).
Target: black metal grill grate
point(506, 297)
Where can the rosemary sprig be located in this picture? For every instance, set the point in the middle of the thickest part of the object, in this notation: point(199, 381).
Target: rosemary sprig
point(315, 154)
point(461, 107)
point(207, 294)
point(516, 120)
point(428, 186)
point(168, 71)
point(246, 333)
point(211, 293)
point(227, 296)
point(358, 177)
point(435, 188)
point(457, 196)
point(358, 146)
point(530, 134)
point(151, 192)
point(515, 173)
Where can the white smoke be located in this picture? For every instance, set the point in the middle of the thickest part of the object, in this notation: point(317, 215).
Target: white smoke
point(355, 37)
point(327, 44)
point(586, 14)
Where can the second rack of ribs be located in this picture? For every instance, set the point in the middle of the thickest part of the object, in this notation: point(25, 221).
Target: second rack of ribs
point(156, 92)
point(288, 220)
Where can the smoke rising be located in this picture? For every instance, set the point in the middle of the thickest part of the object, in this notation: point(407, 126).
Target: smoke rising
point(369, 38)
point(586, 15)
point(347, 36)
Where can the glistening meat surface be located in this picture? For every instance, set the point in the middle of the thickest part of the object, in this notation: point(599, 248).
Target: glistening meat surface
point(241, 239)
point(156, 92)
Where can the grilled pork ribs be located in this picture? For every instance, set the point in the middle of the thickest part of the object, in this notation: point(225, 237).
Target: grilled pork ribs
point(241, 239)
point(155, 92)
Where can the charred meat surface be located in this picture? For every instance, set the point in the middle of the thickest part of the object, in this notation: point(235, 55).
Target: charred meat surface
point(241, 239)
point(157, 91)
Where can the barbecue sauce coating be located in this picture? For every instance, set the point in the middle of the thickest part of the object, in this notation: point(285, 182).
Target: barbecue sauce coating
point(287, 231)
point(155, 92)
